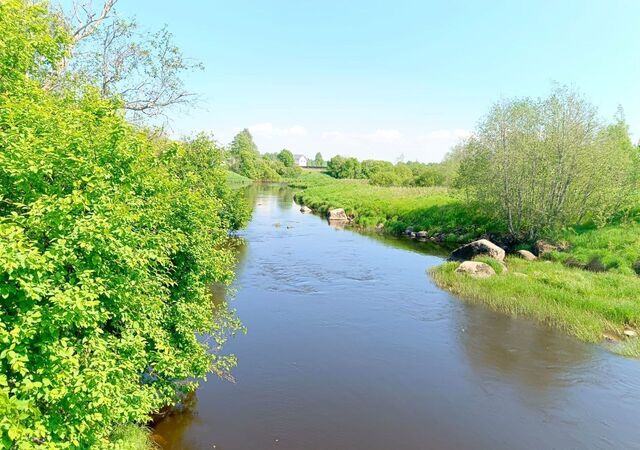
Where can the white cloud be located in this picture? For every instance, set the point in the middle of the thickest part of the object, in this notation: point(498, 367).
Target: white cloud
point(267, 129)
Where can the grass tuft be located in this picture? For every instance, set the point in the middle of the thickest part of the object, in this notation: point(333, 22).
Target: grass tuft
point(584, 304)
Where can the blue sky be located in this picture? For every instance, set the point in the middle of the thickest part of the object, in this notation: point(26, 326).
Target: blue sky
point(378, 79)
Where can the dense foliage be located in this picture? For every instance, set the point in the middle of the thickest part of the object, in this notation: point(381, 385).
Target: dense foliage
point(286, 158)
point(245, 159)
point(109, 240)
point(384, 173)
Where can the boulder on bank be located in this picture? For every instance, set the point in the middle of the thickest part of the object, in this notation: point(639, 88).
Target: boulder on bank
point(476, 269)
point(337, 215)
point(543, 247)
point(477, 248)
point(629, 332)
point(422, 235)
point(526, 254)
point(305, 209)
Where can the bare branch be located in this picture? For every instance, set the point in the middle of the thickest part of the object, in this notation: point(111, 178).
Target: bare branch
point(92, 20)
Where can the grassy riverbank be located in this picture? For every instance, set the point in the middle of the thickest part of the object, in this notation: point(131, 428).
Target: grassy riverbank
point(593, 306)
point(435, 209)
point(590, 306)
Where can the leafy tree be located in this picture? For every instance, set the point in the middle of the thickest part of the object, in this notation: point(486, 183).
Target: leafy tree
point(548, 163)
point(340, 167)
point(371, 166)
point(319, 160)
point(109, 241)
point(286, 157)
point(244, 156)
point(384, 178)
point(427, 175)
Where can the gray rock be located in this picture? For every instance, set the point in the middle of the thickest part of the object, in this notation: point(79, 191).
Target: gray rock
point(337, 215)
point(305, 209)
point(422, 235)
point(526, 254)
point(476, 248)
point(476, 269)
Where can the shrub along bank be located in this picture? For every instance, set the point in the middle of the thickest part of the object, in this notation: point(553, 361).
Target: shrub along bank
point(109, 240)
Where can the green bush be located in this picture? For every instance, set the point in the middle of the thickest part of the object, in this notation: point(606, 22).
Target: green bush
point(108, 243)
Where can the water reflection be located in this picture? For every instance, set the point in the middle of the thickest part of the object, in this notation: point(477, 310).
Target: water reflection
point(536, 357)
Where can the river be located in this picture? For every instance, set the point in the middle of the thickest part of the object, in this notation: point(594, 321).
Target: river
point(350, 345)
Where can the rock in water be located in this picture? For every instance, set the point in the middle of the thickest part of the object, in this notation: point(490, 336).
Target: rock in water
point(526, 254)
point(476, 269)
point(305, 209)
point(337, 215)
point(475, 248)
point(422, 235)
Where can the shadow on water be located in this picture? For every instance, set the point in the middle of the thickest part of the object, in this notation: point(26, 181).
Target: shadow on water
point(351, 346)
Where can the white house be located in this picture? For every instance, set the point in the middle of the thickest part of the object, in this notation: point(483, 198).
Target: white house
point(301, 160)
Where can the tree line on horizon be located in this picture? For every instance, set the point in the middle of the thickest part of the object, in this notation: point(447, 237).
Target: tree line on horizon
point(245, 159)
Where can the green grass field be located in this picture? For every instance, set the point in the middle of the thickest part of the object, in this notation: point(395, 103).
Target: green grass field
point(237, 179)
point(435, 210)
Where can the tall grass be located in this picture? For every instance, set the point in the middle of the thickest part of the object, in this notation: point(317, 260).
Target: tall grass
point(433, 209)
point(439, 210)
point(235, 179)
point(617, 246)
point(587, 305)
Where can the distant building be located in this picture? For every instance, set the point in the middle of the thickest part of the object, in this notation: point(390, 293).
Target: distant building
point(301, 160)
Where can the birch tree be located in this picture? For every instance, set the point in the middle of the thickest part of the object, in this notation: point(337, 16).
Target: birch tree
point(548, 163)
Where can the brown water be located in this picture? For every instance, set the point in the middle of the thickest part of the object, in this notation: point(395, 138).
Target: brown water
point(351, 346)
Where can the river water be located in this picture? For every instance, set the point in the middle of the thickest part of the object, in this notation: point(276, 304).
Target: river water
point(350, 345)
